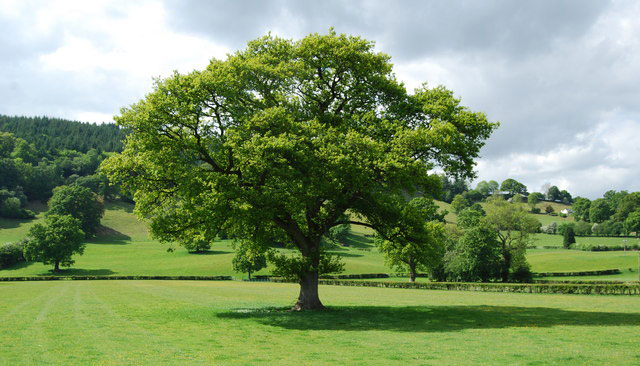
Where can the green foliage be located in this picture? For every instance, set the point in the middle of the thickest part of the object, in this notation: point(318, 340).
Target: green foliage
point(568, 237)
point(581, 208)
point(80, 203)
point(339, 233)
point(459, 203)
point(59, 134)
point(632, 223)
point(281, 139)
point(582, 228)
point(487, 188)
point(514, 228)
point(534, 198)
point(627, 204)
point(553, 193)
point(196, 244)
point(476, 256)
point(599, 211)
point(549, 209)
point(247, 259)
point(450, 187)
point(56, 241)
point(295, 267)
point(470, 217)
point(11, 253)
point(513, 187)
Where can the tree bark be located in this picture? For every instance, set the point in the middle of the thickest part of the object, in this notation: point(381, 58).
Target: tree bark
point(56, 267)
point(506, 265)
point(309, 298)
point(412, 270)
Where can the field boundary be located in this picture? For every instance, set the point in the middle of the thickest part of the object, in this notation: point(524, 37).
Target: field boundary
point(533, 288)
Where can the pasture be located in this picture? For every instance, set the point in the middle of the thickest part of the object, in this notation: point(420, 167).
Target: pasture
point(124, 247)
point(240, 323)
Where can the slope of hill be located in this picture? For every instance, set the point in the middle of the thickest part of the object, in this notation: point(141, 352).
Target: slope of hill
point(57, 134)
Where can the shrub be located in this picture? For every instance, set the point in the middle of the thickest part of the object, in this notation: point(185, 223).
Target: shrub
point(11, 253)
point(548, 209)
point(535, 210)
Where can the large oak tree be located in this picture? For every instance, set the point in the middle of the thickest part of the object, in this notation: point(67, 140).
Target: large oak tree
point(280, 140)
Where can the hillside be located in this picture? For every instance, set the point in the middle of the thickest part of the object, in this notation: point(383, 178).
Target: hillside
point(124, 247)
point(59, 134)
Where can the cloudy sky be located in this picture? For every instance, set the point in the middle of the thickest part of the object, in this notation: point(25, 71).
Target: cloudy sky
point(562, 77)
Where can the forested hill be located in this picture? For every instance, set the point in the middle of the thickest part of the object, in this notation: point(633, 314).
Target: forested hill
point(58, 134)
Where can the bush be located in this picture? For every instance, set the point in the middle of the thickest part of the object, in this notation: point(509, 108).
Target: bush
point(11, 253)
point(535, 210)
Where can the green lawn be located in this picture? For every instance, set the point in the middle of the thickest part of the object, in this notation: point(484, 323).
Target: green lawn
point(125, 248)
point(239, 323)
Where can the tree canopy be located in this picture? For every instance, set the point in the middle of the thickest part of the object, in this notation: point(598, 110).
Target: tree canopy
point(56, 241)
point(280, 140)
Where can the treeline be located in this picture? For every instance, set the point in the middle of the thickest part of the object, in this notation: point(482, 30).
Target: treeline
point(30, 172)
point(616, 213)
point(54, 134)
point(460, 195)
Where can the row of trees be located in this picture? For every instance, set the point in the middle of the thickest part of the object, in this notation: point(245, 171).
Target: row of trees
point(50, 135)
point(486, 245)
point(28, 173)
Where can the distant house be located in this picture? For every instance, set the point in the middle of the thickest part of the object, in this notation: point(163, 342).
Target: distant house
point(566, 211)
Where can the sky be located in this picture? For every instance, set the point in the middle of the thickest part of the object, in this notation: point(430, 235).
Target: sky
point(561, 77)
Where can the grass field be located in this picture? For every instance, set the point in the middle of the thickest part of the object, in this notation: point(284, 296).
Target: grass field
point(125, 248)
point(240, 323)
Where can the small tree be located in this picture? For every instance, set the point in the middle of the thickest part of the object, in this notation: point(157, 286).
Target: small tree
point(413, 240)
point(459, 203)
point(533, 199)
point(55, 242)
point(476, 256)
point(569, 237)
point(248, 259)
point(549, 209)
point(80, 203)
point(196, 245)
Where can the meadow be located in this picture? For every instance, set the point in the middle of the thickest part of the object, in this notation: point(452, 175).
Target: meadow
point(124, 247)
point(245, 323)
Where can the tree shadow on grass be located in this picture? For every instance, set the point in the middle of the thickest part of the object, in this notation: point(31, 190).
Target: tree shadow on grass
point(344, 254)
point(107, 235)
point(430, 318)
point(358, 241)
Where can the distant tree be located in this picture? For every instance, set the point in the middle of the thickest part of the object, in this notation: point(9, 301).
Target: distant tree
point(550, 229)
point(196, 244)
point(534, 198)
point(459, 203)
point(452, 187)
point(80, 203)
point(614, 198)
point(417, 241)
point(248, 259)
point(56, 241)
point(553, 194)
point(599, 211)
point(565, 197)
point(487, 188)
point(513, 187)
point(632, 223)
point(339, 233)
point(476, 256)
point(582, 228)
point(627, 204)
point(581, 208)
point(549, 209)
point(514, 228)
point(470, 217)
point(473, 195)
point(568, 238)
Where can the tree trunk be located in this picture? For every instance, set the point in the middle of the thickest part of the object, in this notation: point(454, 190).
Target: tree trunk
point(56, 267)
point(249, 274)
point(506, 265)
point(309, 299)
point(412, 270)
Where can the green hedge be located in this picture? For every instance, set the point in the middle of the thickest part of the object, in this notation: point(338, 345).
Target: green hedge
point(533, 288)
point(602, 272)
point(89, 278)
